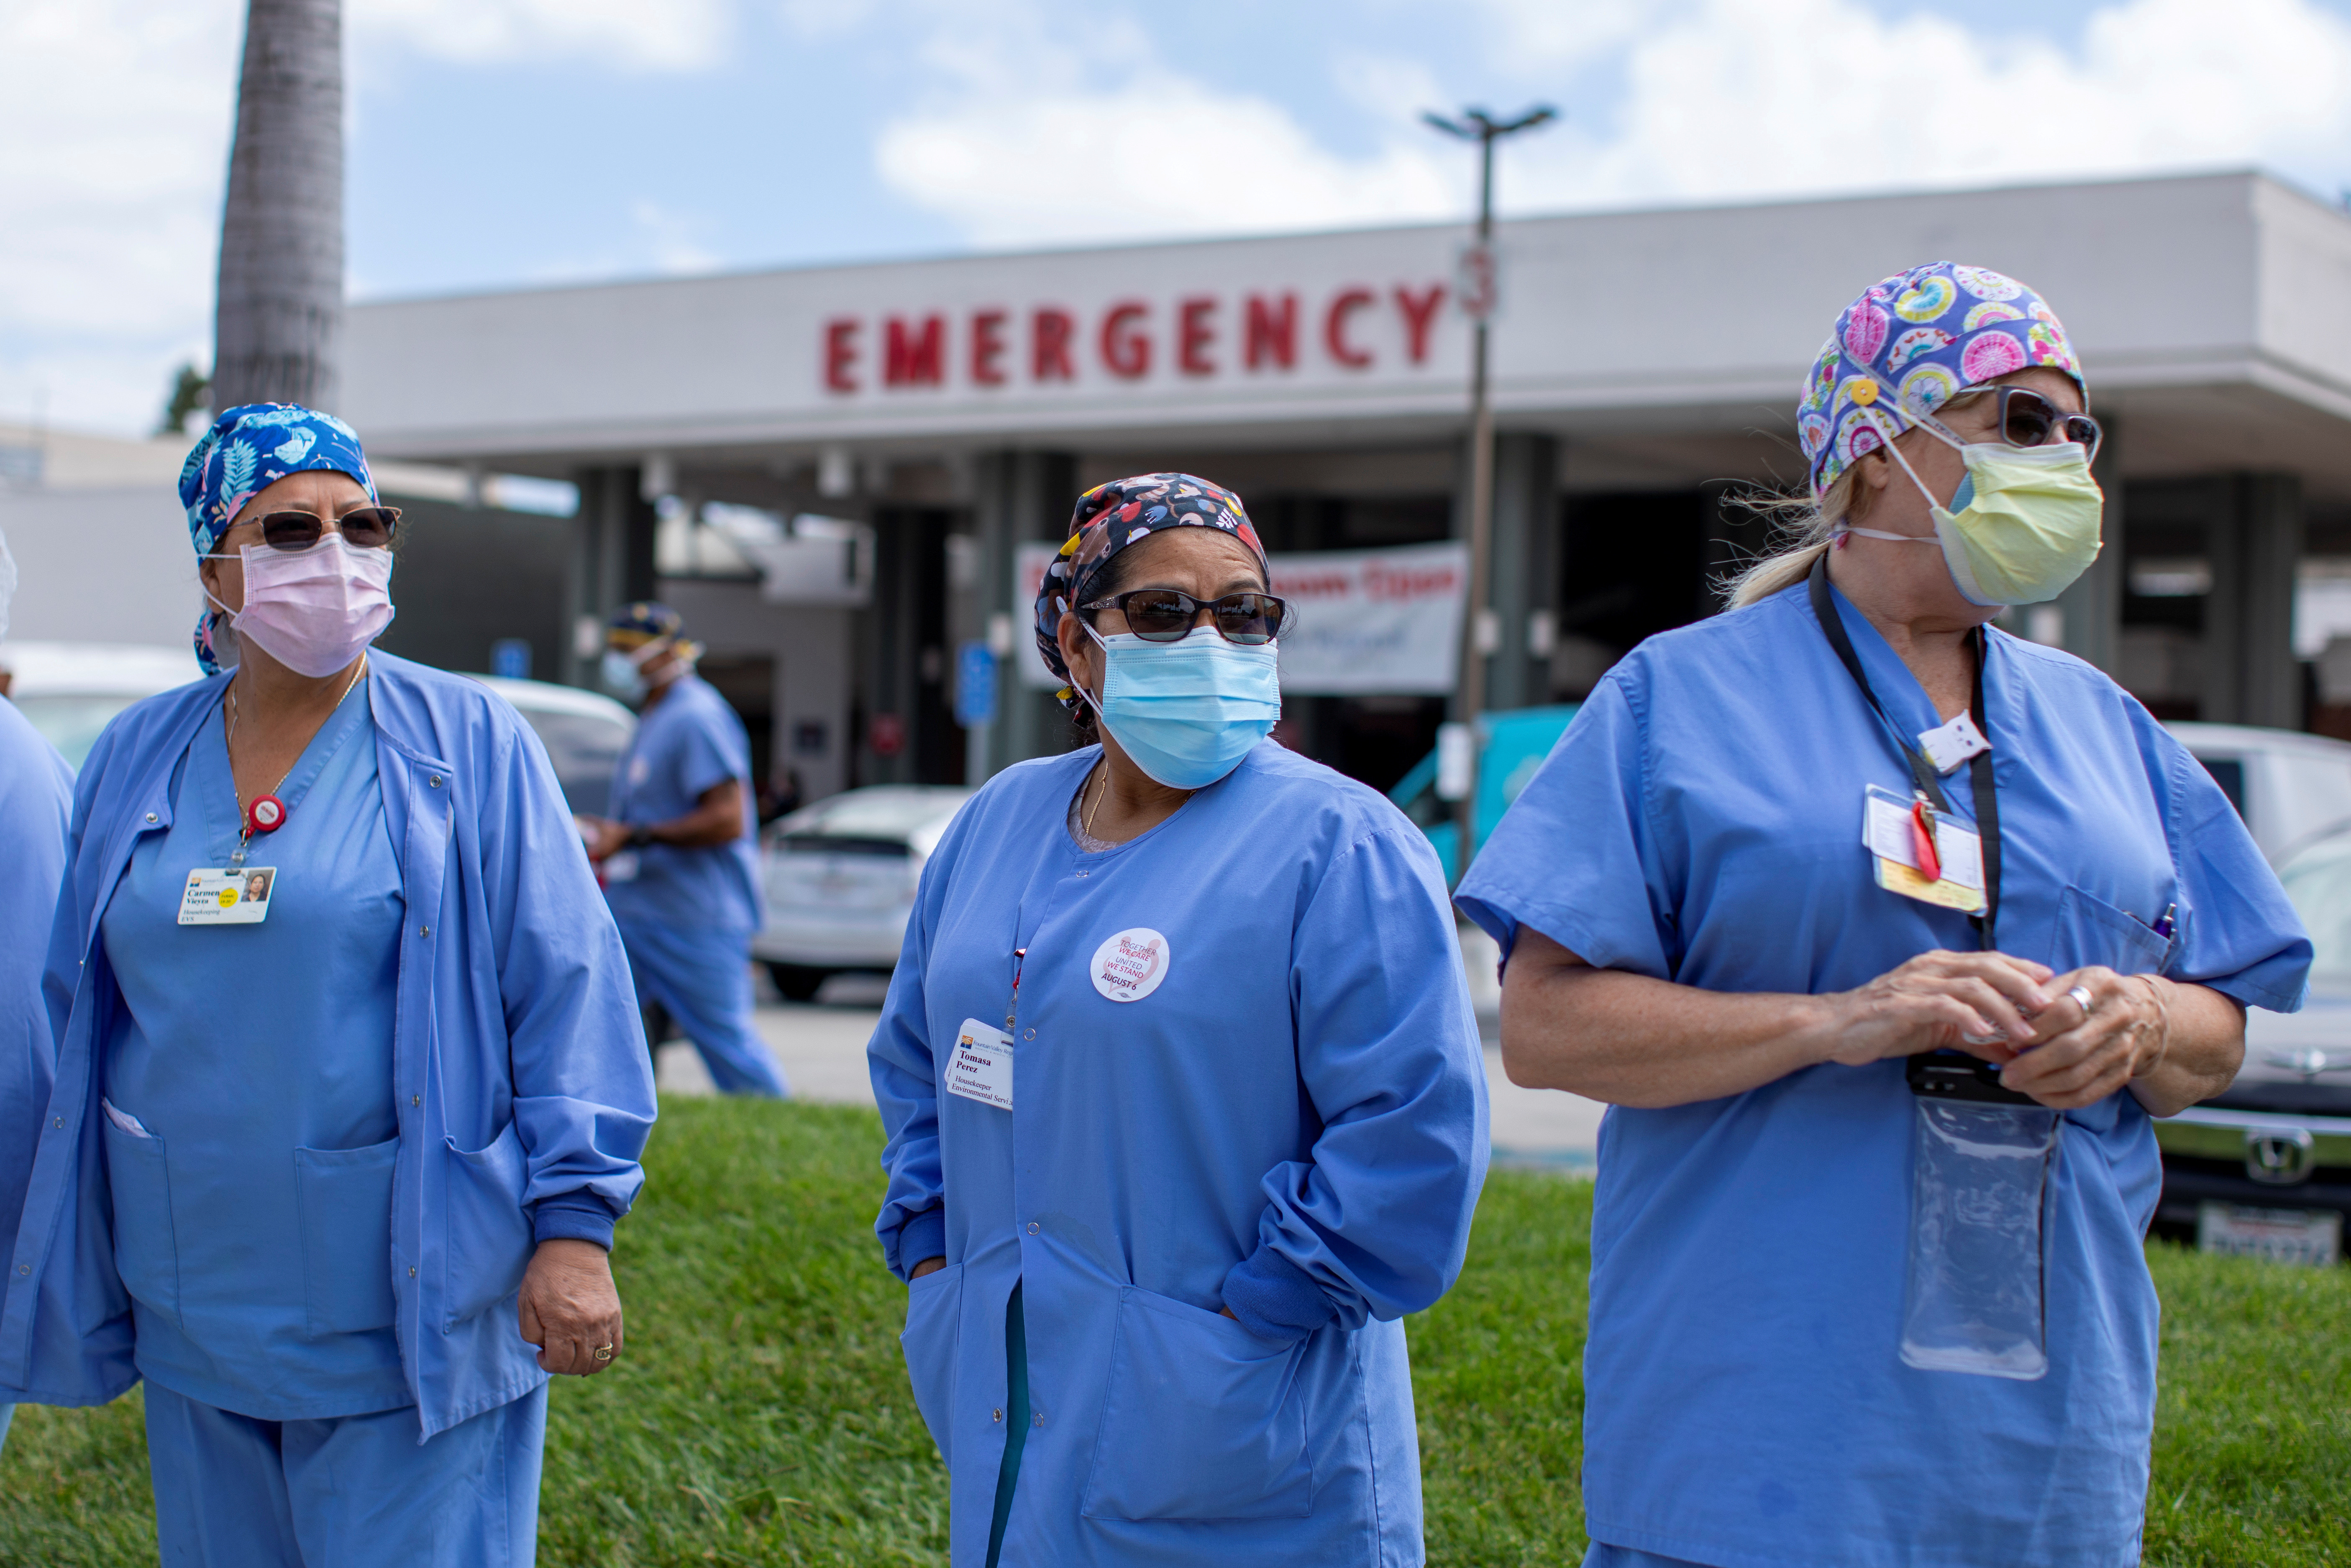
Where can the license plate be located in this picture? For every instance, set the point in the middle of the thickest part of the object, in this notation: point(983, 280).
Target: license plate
point(2310, 1235)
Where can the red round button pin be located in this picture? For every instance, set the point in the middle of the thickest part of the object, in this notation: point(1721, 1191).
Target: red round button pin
point(265, 815)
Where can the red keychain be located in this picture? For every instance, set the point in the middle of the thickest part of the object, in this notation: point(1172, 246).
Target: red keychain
point(1922, 841)
point(265, 815)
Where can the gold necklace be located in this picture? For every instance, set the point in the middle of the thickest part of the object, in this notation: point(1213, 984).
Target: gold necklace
point(228, 739)
point(1096, 812)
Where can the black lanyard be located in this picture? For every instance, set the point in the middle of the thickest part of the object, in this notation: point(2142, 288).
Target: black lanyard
point(1922, 773)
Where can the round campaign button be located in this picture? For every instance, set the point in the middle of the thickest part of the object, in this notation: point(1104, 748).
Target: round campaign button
point(1130, 965)
point(267, 814)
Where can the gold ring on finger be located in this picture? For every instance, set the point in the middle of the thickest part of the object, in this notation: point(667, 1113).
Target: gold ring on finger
point(603, 1353)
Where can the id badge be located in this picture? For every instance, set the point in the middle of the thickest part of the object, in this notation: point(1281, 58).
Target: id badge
point(228, 895)
point(981, 1067)
point(1888, 834)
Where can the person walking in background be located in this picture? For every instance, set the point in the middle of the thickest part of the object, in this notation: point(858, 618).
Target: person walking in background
point(678, 856)
point(36, 800)
point(323, 1167)
point(1233, 1125)
point(1886, 935)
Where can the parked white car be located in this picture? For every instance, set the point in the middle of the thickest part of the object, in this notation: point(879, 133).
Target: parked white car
point(2264, 1166)
point(71, 691)
point(840, 880)
point(585, 733)
point(2293, 790)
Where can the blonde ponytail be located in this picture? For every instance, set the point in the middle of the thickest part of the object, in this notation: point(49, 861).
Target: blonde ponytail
point(1805, 530)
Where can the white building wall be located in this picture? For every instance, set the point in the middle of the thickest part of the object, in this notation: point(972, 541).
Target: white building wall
point(811, 648)
point(101, 566)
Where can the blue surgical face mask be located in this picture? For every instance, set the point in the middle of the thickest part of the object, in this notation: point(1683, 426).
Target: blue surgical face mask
point(624, 673)
point(1187, 713)
point(622, 676)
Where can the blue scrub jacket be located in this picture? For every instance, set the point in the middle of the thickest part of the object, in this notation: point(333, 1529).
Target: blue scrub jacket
point(36, 800)
point(1292, 1124)
point(519, 1063)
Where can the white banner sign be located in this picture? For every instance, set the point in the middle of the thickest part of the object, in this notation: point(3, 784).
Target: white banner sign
point(1374, 621)
point(1369, 621)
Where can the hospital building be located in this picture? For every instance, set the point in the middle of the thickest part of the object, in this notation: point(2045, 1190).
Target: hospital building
point(847, 476)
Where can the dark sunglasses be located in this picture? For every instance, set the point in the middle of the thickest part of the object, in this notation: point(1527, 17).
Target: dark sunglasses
point(363, 528)
point(2025, 418)
point(1166, 614)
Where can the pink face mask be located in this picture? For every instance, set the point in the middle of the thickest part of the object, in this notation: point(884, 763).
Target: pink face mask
point(313, 610)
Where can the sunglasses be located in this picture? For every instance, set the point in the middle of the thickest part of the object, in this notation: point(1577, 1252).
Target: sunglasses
point(1166, 614)
point(363, 528)
point(2025, 418)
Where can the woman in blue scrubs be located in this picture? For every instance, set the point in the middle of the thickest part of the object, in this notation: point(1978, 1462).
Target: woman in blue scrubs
point(1184, 1096)
point(349, 1087)
point(36, 794)
point(1884, 1014)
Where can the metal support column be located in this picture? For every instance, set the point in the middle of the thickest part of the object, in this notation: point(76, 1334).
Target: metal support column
point(2092, 609)
point(1526, 569)
point(2251, 675)
point(610, 563)
point(1023, 497)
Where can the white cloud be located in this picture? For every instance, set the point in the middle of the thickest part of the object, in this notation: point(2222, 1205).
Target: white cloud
point(1553, 33)
point(669, 237)
point(1169, 156)
point(672, 35)
point(1105, 141)
point(1721, 99)
point(114, 125)
point(1742, 98)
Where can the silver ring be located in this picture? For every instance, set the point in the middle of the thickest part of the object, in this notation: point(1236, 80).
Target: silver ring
point(2081, 995)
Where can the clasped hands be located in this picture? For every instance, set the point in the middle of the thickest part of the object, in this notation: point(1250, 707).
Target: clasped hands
point(2014, 1013)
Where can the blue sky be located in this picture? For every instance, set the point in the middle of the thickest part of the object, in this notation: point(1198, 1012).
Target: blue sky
point(499, 144)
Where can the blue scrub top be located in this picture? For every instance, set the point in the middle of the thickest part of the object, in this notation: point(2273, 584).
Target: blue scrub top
point(1288, 1121)
point(689, 743)
point(1700, 822)
point(252, 1223)
point(36, 801)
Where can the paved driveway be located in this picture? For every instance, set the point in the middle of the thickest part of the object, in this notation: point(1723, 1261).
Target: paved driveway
point(820, 1047)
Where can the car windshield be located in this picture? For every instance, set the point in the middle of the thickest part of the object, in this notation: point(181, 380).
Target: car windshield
point(71, 721)
point(872, 814)
point(2318, 881)
point(586, 751)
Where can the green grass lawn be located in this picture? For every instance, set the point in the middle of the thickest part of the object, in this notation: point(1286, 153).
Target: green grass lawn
point(761, 1414)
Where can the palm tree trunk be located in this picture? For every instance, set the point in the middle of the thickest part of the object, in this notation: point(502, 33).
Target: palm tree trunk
point(278, 333)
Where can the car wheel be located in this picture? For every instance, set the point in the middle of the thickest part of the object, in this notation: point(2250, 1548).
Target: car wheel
point(797, 982)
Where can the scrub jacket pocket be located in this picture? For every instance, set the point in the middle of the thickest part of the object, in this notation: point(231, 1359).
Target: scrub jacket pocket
point(345, 1196)
point(933, 1316)
point(2092, 931)
point(1203, 1420)
point(489, 1234)
point(146, 1245)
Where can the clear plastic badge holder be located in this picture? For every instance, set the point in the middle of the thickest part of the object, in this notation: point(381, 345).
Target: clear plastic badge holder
point(1974, 1303)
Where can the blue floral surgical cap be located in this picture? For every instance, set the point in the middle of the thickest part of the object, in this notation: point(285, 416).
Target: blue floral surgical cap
point(248, 449)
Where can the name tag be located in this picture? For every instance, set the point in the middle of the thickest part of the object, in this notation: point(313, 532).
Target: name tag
point(228, 895)
point(981, 1067)
point(1953, 743)
point(1886, 832)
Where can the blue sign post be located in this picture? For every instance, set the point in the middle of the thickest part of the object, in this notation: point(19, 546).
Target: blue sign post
point(510, 658)
point(975, 691)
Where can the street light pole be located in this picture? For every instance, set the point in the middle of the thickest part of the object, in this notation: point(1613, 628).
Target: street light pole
point(1477, 639)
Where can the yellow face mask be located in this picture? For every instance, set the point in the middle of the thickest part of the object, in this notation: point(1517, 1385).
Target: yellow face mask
point(2023, 525)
